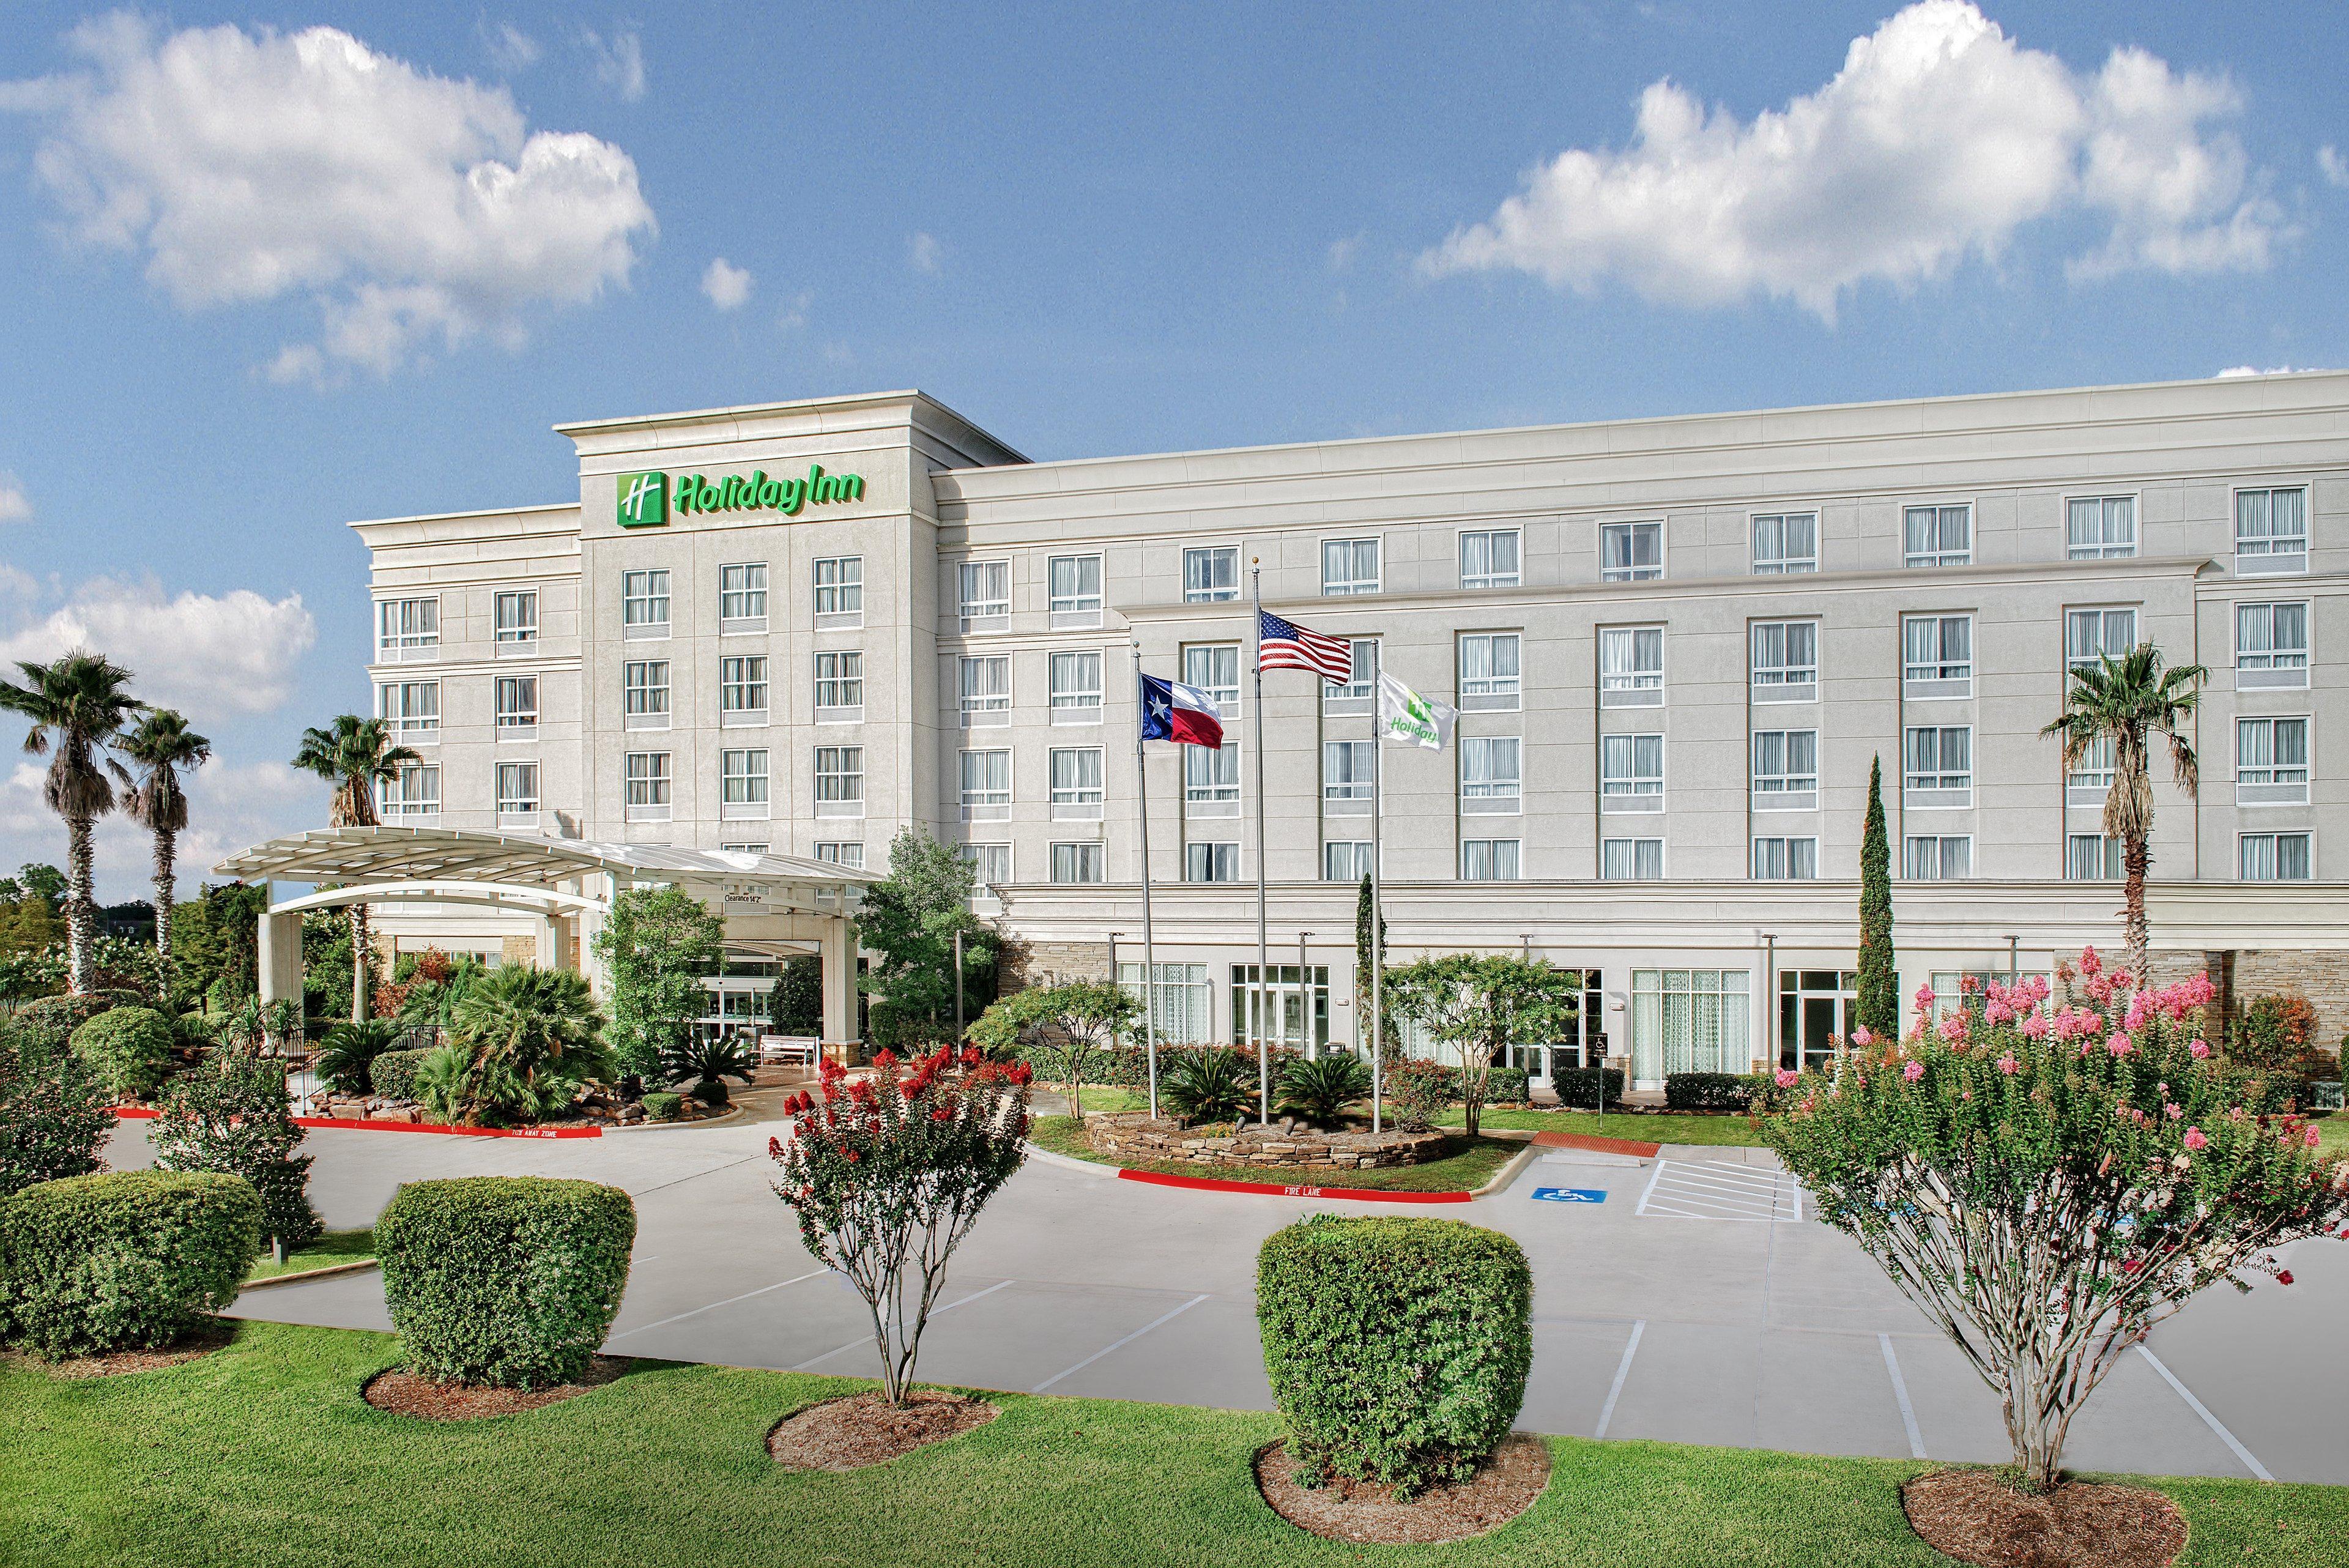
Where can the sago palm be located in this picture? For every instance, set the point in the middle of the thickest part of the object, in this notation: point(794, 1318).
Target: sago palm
point(77, 705)
point(354, 754)
point(2126, 701)
point(161, 748)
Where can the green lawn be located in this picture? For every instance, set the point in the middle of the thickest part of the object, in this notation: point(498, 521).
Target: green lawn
point(333, 1246)
point(1727, 1130)
point(1467, 1168)
point(2331, 1133)
point(263, 1454)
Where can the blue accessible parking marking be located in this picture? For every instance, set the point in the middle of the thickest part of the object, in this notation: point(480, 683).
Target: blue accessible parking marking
point(1569, 1195)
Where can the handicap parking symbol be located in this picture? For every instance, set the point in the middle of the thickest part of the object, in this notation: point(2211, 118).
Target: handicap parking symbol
point(1569, 1195)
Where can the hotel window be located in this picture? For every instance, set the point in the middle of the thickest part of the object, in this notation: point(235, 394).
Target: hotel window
point(745, 848)
point(840, 780)
point(990, 864)
point(1490, 775)
point(514, 617)
point(1939, 757)
point(1631, 769)
point(1349, 566)
point(2092, 774)
point(1345, 859)
point(1079, 863)
point(1211, 777)
point(2272, 752)
point(2275, 858)
point(1489, 859)
point(1075, 775)
point(1938, 652)
point(1490, 678)
point(2271, 645)
point(643, 694)
point(985, 786)
point(1630, 666)
point(1786, 542)
point(411, 709)
point(1076, 586)
point(742, 783)
point(414, 791)
point(2090, 635)
point(643, 603)
point(1939, 535)
point(1631, 860)
point(1355, 696)
point(517, 790)
point(1489, 559)
point(848, 852)
point(515, 706)
point(1211, 863)
point(2101, 527)
point(838, 686)
point(646, 782)
point(1215, 668)
point(1937, 858)
point(986, 691)
point(743, 597)
point(1689, 1021)
point(1786, 661)
point(742, 689)
point(2271, 530)
point(2093, 857)
point(1182, 1009)
point(1785, 859)
point(1346, 770)
point(1785, 763)
point(406, 629)
point(1077, 688)
point(1631, 552)
point(984, 602)
point(840, 590)
point(1211, 575)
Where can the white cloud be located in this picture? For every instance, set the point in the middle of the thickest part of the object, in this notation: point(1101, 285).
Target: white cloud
point(619, 63)
point(231, 804)
point(1938, 140)
point(408, 209)
point(923, 253)
point(15, 506)
point(203, 654)
point(2232, 371)
point(1343, 251)
point(794, 313)
point(2332, 165)
point(726, 285)
point(510, 48)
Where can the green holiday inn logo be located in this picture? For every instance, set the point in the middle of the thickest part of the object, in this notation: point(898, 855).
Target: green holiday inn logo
point(646, 499)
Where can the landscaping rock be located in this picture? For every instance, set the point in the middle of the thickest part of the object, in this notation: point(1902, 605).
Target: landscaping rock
point(1132, 1135)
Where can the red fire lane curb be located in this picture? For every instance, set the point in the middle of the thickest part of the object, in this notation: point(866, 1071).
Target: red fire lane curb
point(353, 1124)
point(1270, 1190)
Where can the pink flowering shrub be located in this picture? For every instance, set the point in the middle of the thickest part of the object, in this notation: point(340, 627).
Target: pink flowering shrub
point(887, 1175)
point(2048, 1182)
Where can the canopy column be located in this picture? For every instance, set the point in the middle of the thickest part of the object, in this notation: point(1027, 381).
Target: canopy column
point(839, 981)
point(281, 953)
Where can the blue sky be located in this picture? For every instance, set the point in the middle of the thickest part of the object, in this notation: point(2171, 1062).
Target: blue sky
point(252, 295)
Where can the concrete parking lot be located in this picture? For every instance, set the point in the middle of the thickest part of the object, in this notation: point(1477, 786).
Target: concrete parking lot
point(1692, 1299)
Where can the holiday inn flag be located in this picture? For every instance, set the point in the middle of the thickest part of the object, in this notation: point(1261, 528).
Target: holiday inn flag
point(1406, 715)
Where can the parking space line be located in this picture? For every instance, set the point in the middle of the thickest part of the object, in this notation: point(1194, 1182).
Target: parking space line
point(1900, 1392)
point(713, 1306)
point(935, 1314)
point(1622, 1370)
point(1120, 1345)
point(2200, 1408)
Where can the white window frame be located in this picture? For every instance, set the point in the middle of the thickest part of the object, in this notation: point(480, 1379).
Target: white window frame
point(2099, 511)
point(1341, 699)
point(2275, 666)
point(516, 721)
point(1351, 582)
point(1937, 551)
point(1798, 854)
point(2273, 782)
point(2086, 786)
point(1202, 858)
point(1789, 678)
point(982, 709)
point(742, 785)
point(401, 635)
point(643, 592)
point(848, 852)
point(741, 677)
point(839, 781)
point(978, 856)
point(1940, 677)
point(1088, 860)
point(1491, 691)
point(515, 786)
point(1357, 854)
point(1211, 574)
point(983, 783)
point(1635, 686)
point(2257, 555)
point(1492, 859)
point(1485, 545)
point(1080, 700)
point(840, 677)
point(1076, 792)
point(1346, 791)
point(1911, 844)
point(1624, 784)
point(413, 792)
point(514, 622)
point(1211, 780)
point(1782, 562)
point(1633, 853)
point(2076, 616)
point(1941, 786)
point(1492, 776)
point(1199, 662)
point(983, 596)
point(741, 597)
point(645, 704)
point(1075, 606)
point(647, 785)
point(2093, 857)
point(404, 716)
point(839, 583)
point(1780, 781)
point(2274, 843)
point(1632, 569)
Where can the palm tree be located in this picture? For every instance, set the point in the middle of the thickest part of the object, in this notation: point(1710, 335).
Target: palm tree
point(2125, 702)
point(77, 705)
point(354, 754)
point(161, 746)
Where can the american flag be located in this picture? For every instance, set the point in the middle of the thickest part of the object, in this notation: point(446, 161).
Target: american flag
point(1285, 645)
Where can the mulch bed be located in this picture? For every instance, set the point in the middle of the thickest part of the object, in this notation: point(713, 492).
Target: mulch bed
point(403, 1392)
point(862, 1430)
point(188, 1347)
point(1975, 1517)
point(1501, 1489)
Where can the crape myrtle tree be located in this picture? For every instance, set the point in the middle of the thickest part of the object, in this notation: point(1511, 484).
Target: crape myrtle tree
point(2047, 1184)
point(1067, 1025)
point(1877, 1005)
point(1478, 1004)
point(887, 1174)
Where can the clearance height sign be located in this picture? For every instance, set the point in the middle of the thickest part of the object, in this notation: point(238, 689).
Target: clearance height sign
point(648, 499)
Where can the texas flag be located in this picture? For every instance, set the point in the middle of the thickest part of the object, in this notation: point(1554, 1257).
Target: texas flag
point(1183, 714)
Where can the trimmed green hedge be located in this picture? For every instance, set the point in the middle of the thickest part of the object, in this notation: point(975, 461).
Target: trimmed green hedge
point(51, 1020)
point(129, 1048)
point(129, 1260)
point(393, 1074)
point(55, 1115)
point(1708, 1091)
point(1397, 1348)
point(663, 1106)
point(1506, 1087)
point(1578, 1087)
point(510, 1280)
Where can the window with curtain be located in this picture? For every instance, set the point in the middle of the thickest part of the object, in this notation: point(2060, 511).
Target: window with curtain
point(2276, 858)
point(1211, 575)
point(1489, 675)
point(1211, 862)
point(1080, 862)
point(1350, 696)
point(742, 686)
point(1786, 542)
point(1785, 653)
point(2091, 635)
point(2272, 636)
point(986, 778)
point(1345, 861)
point(990, 864)
point(743, 778)
point(1215, 668)
point(1349, 566)
point(838, 773)
point(1937, 858)
point(2271, 523)
point(1180, 1003)
point(984, 590)
point(1785, 762)
point(1076, 686)
point(839, 586)
point(411, 707)
point(1630, 765)
point(2101, 527)
point(2093, 857)
point(2096, 767)
point(839, 682)
point(1076, 584)
point(1631, 860)
point(516, 616)
point(986, 690)
point(644, 692)
point(1489, 770)
point(1489, 859)
point(414, 791)
point(1937, 648)
point(517, 789)
point(2271, 751)
point(1939, 756)
point(643, 601)
point(1211, 774)
point(742, 592)
point(645, 781)
point(1631, 659)
point(1488, 559)
point(516, 706)
point(410, 629)
point(1939, 535)
point(1785, 859)
point(1631, 552)
point(1690, 1020)
point(1346, 769)
point(1076, 775)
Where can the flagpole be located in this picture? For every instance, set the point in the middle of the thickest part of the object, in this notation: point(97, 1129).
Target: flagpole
point(1378, 935)
point(1142, 801)
point(1263, 1050)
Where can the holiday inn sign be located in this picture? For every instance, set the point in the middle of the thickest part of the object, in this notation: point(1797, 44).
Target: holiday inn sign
point(646, 499)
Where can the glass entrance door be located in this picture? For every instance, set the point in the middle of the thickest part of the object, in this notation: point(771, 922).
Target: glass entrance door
point(1284, 1012)
point(1816, 1008)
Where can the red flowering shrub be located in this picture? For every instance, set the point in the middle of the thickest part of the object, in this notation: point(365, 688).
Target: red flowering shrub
point(888, 1174)
point(2049, 1183)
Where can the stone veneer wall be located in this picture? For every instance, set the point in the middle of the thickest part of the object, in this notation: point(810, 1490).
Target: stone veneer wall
point(1027, 964)
point(2242, 974)
point(1133, 1136)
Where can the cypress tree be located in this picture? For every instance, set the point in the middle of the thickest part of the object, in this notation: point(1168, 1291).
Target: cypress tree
point(1365, 909)
point(1879, 974)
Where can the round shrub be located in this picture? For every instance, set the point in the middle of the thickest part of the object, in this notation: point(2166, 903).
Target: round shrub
point(232, 1113)
point(663, 1106)
point(510, 1280)
point(393, 1074)
point(129, 1260)
point(1708, 1091)
point(129, 1048)
point(54, 1115)
point(1419, 1092)
point(1397, 1349)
